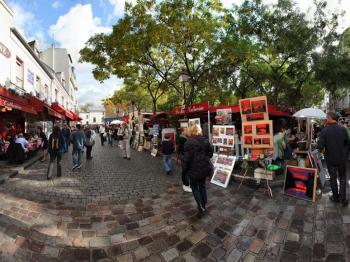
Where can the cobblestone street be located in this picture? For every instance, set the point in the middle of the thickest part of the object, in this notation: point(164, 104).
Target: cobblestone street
point(119, 210)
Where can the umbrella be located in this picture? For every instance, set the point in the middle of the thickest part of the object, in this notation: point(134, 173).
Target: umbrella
point(314, 113)
point(117, 122)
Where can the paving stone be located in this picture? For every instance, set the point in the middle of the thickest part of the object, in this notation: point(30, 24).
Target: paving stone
point(218, 253)
point(213, 241)
point(81, 254)
point(98, 254)
point(125, 258)
point(337, 248)
point(145, 240)
point(288, 257)
point(197, 237)
point(249, 258)
point(346, 219)
point(305, 253)
point(100, 242)
point(243, 243)
point(189, 258)
point(234, 256)
point(170, 254)
point(118, 238)
point(141, 253)
point(293, 237)
point(319, 251)
point(201, 251)
point(292, 246)
point(229, 243)
point(219, 233)
point(256, 246)
point(184, 245)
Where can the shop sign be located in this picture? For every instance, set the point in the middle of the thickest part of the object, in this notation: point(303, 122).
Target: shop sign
point(194, 108)
point(9, 104)
point(4, 50)
point(30, 77)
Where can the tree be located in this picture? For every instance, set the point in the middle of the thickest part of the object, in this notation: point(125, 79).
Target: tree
point(171, 37)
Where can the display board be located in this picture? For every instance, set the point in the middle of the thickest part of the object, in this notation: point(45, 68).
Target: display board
point(223, 166)
point(258, 134)
point(223, 136)
point(156, 130)
point(154, 152)
point(316, 162)
point(300, 182)
point(254, 109)
point(223, 116)
point(194, 121)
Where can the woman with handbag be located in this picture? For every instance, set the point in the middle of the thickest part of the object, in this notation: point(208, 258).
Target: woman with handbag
point(89, 143)
point(197, 165)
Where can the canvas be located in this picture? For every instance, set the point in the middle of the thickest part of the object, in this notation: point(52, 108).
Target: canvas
point(300, 182)
point(254, 109)
point(257, 134)
point(223, 136)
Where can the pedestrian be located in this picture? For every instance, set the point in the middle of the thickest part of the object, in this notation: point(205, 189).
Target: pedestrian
point(167, 151)
point(181, 140)
point(56, 146)
point(109, 132)
point(89, 142)
point(44, 146)
point(124, 132)
point(66, 132)
point(197, 165)
point(334, 140)
point(78, 141)
point(103, 134)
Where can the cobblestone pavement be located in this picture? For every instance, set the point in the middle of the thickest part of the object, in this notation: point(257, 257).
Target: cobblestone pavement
point(120, 210)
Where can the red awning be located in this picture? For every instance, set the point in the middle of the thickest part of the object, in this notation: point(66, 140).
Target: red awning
point(60, 109)
point(13, 101)
point(53, 113)
point(36, 103)
point(76, 117)
point(14, 105)
point(192, 109)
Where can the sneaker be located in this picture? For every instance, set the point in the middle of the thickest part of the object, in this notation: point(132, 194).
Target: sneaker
point(79, 166)
point(168, 172)
point(129, 158)
point(187, 189)
point(74, 167)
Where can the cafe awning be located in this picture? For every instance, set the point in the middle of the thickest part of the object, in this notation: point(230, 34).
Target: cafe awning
point(76, 117)
point(40, 106)
point(10, 101)
point(55, 114)
point(60, 109)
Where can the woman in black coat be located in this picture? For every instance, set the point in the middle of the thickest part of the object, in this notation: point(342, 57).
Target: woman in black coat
point(197, 165)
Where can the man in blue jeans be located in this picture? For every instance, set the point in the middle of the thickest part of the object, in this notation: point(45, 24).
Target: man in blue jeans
point(78, 140)
point(167, 150)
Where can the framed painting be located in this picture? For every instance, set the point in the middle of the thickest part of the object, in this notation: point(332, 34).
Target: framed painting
point(221, 177)
point(300, 182)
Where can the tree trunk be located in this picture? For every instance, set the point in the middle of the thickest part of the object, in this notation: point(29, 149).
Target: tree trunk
point(154, 106)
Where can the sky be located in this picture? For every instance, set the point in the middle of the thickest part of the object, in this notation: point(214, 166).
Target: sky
point(70, 23)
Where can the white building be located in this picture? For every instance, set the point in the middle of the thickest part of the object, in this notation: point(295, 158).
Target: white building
point(94, 116)
point(23, 67)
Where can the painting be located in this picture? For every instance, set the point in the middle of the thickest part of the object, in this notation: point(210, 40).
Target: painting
point(194, 121)
point(248, 140)
point(223, 136)
point(247, 129)
point(316, 162)
point(262, 129)
point(230, 131)
point(300, 182)
point(223, 116)
point(221, 177)
point(216, 131)
point(259, 134)
point(254, 109)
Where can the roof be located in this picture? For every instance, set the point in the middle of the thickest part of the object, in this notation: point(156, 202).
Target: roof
point(30, 50)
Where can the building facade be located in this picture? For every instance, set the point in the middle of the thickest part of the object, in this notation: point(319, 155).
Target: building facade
point(94, 116)
point(25, 69)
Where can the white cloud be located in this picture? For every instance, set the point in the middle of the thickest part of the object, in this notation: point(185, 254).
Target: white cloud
point(28, 24)
point(72, 31)
point(56, 5)
point(119, 5)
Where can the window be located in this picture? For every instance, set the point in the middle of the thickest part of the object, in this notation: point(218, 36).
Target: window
point(94, 120)
point(38, 84)
point(46, 90)
point(56, 95)
point(87, 116)
point(19, 72)
point(62, 100)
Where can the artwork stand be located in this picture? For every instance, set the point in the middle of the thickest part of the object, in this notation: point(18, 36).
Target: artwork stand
point(245, 168)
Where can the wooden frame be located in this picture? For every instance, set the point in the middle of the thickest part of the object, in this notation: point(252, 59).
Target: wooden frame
point(301, 184)
point(254, 109)
point(258, 134)
point(223, 136)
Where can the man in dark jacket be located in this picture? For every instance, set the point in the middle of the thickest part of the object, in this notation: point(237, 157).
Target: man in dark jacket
point(167, 150)
point(78, 141)
point(89, 143)
point(66, 134)
point(181, 140)
point(335, 140)
point(197, 165)
point(56, 146)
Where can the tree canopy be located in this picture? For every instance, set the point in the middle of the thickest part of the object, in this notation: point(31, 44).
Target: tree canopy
point(223, 54)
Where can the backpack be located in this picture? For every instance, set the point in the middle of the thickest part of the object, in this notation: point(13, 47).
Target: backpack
point(55, 143)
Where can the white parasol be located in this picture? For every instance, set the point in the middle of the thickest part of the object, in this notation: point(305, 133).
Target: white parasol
point(117, 122)
point(311, 113)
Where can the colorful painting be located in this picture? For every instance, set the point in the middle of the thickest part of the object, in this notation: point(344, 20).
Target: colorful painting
point(223, 136)
point(245, 106)
point(259, 106)
point(300, 182)
point(248, 129)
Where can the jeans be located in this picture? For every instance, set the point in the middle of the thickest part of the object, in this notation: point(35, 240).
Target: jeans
point(88, 152)
point(102, 139)
point(185, 179)
point(126, 147)
point(54, 156)
point(334, 172)
point(167, 162)
point(199, 192)
point(77, 155)
point(110, 139)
